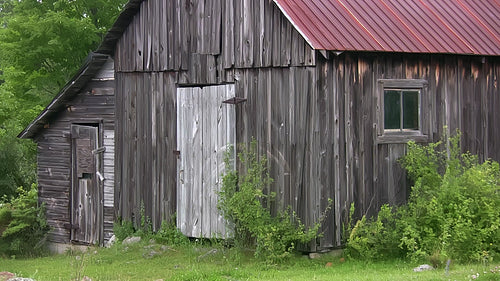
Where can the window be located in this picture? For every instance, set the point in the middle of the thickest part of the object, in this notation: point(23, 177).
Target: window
point(401, 109)
point(401, 117)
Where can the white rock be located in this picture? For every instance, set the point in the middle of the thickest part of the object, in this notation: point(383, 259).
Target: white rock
point(110, 242)
point(314, 256)
point(131, 240)
point(423, 267)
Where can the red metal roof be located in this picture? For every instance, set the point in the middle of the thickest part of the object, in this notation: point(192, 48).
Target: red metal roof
point(411, 26)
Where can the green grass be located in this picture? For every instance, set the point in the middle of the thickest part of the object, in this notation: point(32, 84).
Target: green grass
point(193, 263)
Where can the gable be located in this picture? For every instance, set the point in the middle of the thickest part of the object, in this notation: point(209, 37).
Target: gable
point(211, 34)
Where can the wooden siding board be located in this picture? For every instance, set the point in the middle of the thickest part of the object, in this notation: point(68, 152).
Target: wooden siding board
point(276, 37)
point(54, 152)
point(342, 160)
point(228, 24)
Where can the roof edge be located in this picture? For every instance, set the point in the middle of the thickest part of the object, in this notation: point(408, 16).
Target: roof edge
point(121, 23)
point(295, 25)
point(92, 64)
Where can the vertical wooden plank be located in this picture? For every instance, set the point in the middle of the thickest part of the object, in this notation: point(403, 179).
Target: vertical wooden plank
point(267, 45)
point(157, 29)
point(296, 42)
point(188, 38)
point(349, 131)
point(337, 148)
point(162, 35)
point(153, 155)
point(215, 27)
point(148, 30)
point(138, 33)
point(118, 158)
point(199, 27)
point(228, 24)
point(276, 36)
point(226, 138)
point(209, 123)
point(169, 34)
point(258, 32)
point(178, 35)
point(182, 127)
point(286, 41)
point(309, 56)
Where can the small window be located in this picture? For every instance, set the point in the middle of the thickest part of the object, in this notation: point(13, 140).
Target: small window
point(402, 112)
point(401, 109)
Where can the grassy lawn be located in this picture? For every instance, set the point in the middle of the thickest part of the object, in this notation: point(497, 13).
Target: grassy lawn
point(152, 262)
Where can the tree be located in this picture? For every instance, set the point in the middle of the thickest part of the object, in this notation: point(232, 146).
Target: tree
point(42, 44)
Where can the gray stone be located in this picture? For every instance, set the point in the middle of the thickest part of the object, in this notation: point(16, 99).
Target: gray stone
point(314, 256)
point(423, 267)
point(110, 242)
point(207, 254)
point(20, 279)
point(131, 240)
point(150, 255)
point(337, 253)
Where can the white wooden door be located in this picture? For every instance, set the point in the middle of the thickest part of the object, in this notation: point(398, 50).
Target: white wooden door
point(205, 128)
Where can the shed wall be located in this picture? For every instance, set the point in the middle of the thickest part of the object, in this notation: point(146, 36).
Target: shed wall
point(93, 105)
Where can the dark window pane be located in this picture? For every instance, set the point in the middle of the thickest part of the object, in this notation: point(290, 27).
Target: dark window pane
point(392, 109)
point(410, 110)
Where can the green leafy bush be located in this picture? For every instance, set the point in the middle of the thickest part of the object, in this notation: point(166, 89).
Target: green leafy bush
point(24, 226)
point(376, 238)
point(244, 201)
point(167, 234)
point(170, 234)
point(123, 229)
point(452, 211)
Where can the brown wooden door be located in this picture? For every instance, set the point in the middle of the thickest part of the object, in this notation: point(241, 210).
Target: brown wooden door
point(85, 191)
point(205, 128)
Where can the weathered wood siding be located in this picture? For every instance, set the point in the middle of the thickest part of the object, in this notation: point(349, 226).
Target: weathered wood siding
point(205, 132)
point(315, 118)
point(93, 105)
point(181, 43)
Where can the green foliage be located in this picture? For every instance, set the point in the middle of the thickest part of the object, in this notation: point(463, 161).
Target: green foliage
point(167, 234)
point(25, 225)
point(456, 215)
point(42, 44)
point(452, 211)
point(17, 164)
point(123, 229)
point(244, 200)
point(170, 234)
point(376, 238)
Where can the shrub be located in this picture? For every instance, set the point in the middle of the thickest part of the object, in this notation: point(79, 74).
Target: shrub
point(375, 238)
point(452, 211)
point(123, 229)
point(456, 213)
point(244, 201)
point(25, 227)
point(170, 234)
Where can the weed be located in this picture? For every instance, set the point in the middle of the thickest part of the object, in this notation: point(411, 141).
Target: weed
point(245, 201)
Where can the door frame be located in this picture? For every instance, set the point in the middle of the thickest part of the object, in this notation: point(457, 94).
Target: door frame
point(99, 167)
point(197, 213)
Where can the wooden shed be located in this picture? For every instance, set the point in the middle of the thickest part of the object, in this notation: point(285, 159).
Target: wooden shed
point(332, 90)
point(75, 140)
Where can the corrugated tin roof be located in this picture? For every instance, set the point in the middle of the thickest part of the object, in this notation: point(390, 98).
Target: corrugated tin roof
point(410, 26)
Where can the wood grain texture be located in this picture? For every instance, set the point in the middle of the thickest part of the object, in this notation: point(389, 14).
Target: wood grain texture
point(93, 105)
point(316, 117)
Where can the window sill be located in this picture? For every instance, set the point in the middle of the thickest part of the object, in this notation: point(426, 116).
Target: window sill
point(402, 137)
